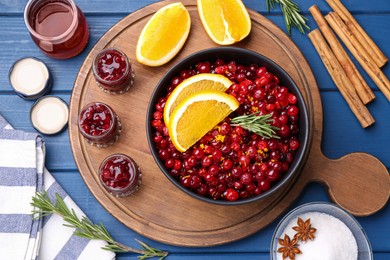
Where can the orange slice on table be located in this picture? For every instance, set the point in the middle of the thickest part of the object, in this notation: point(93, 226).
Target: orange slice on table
point(225, 21)
point(197, 115)
point(163, 35)
point(191, 85)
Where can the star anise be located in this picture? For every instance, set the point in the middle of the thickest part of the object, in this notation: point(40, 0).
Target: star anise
point(304, 230)
point(288, 247)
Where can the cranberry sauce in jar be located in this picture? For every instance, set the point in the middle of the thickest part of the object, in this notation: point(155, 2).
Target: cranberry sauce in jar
point(99, 124)
point(113, 71)
point(120, 175)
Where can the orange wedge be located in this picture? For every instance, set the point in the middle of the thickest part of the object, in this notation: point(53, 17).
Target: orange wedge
point(191, 85)
point(225, 21)
point(163, 35)
point(197, 115)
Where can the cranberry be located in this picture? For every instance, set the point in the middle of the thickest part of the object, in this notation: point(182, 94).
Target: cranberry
point(198, 153)
point(244, 161)
point(246, 178)
point(206, 161)
point(231, 194)
point(184, 74)
point(294, 144)
point(236, 172)
point(273, 175)
point(217, 155)
point(203, 67)
point(284, 131)
point(232, 67)
point(264, 185)
point(214, 170)
point(261, 71)
point(169, 163)
point(221, 69)
point(292, 99)
point(227, 165)
point(225, 129)
point(176, 81)
point(292, 111)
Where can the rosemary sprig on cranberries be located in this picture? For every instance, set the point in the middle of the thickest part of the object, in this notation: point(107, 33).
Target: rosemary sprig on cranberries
point(85, 228)
point(256, 123)
point(292, 14)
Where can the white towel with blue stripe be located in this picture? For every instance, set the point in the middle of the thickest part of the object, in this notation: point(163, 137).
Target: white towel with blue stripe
point(22, 174)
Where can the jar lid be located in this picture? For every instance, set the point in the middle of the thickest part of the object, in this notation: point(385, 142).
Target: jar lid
point(49, 115)
point(30, 78)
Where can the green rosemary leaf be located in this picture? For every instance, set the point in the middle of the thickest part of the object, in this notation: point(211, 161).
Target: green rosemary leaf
point(256, 123)
point(291, 14)
point(85, 228)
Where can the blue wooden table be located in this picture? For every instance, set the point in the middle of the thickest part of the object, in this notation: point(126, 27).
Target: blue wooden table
point(342, 134)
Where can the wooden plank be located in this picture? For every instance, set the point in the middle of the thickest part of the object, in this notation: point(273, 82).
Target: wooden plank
point(102, 6)
point(18, 44)
point(342, 133)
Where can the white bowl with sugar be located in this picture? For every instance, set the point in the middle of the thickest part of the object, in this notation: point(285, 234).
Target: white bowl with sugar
point(338, 234)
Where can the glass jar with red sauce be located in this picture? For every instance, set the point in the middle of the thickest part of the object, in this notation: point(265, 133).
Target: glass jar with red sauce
point(120, 175)
point(58, 27)
point(99, 124)
point(113, 71)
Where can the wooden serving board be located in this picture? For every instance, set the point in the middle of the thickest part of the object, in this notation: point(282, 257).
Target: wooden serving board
point(164, 213)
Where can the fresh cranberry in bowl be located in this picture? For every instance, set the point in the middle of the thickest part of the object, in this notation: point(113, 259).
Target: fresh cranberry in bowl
point(231, 164)
point(120, 175)
point(99, 124)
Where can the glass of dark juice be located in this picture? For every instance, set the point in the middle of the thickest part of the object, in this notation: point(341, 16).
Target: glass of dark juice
point(58, 27)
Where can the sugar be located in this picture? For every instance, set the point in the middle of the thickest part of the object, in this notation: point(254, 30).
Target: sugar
point(333, 239)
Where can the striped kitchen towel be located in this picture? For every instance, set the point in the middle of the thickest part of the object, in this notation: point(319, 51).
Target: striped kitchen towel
point(22, 174)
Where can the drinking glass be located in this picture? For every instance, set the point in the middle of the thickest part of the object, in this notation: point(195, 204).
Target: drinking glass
point(58, 27)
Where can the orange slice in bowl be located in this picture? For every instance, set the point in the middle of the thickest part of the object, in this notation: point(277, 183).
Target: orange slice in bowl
point(225, 21)
point(197, 115)
point(192, 85)
point(163, 35)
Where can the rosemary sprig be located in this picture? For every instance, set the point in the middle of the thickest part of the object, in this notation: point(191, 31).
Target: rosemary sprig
point(292, 14)
point(256, 123)
point(85, 228)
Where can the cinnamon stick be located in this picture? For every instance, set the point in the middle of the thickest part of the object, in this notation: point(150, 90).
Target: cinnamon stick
point(363, 90)
point(359, 53)
point(376, 54)
point(340, 79)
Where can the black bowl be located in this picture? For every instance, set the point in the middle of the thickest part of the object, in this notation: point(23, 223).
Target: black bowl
point(245, 57)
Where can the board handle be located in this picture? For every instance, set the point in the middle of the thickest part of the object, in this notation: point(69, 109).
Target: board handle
point(357, 182)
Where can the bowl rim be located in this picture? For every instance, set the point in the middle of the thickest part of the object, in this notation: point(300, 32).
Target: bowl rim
point(331, 209)
point(304, 118)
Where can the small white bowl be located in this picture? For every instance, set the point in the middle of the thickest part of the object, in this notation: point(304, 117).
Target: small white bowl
point(364, 247)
